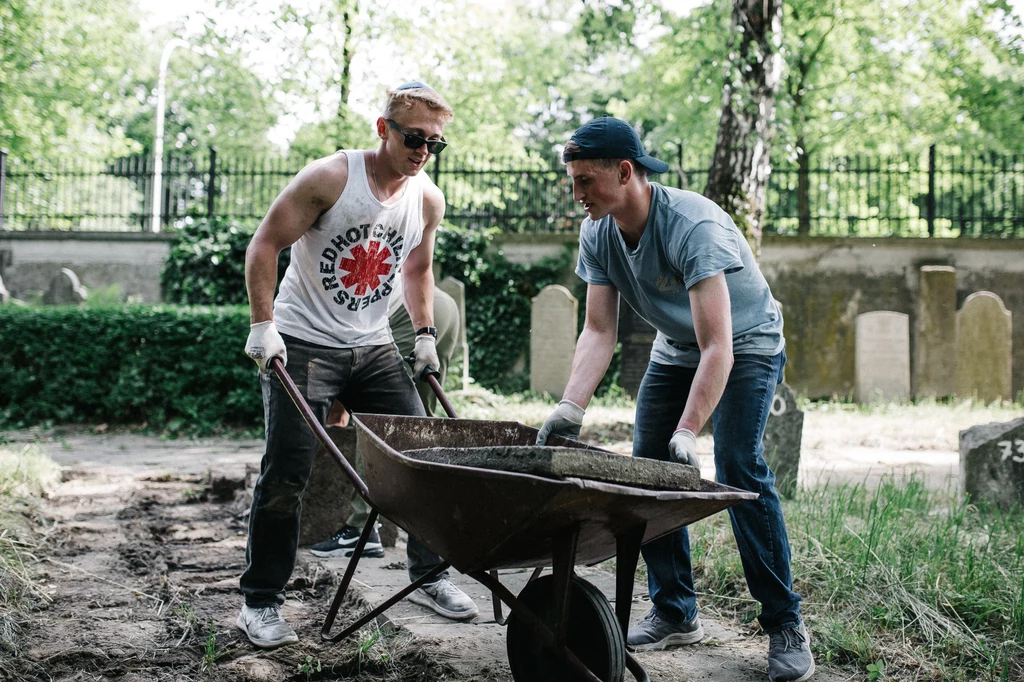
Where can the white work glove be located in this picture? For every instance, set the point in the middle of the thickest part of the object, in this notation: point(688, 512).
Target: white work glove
point(424, 357)
point(264, 343)
point(682, 449)
point(565, 421)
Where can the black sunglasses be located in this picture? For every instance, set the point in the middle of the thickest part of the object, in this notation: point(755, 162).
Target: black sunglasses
point(415, 141)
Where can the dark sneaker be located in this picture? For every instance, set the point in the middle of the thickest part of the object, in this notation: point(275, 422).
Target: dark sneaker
point(655, 633)
point(789, 655)
point(344, 544)
point(265, 627)
point(445, 598)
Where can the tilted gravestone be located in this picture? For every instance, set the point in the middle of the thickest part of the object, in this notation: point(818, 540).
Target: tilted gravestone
point(783, 436)
point(984, 348)
point(637, 338)
point(65, 288)
point(935, 326)
point(992, 463)
point(5, 295)
point(882, 357)
point(552, 339)
point(327, 500)
point(457, 290)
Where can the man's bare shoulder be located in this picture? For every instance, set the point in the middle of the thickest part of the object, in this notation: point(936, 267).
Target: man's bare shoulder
point(323, 180)
point(433, 202)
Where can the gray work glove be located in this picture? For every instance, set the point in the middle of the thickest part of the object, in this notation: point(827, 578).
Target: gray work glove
point(682, 449)
point(565, 421)
point(424, 357)
point(264, 343)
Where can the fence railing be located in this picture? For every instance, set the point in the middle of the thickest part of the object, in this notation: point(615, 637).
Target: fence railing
point(928, 195)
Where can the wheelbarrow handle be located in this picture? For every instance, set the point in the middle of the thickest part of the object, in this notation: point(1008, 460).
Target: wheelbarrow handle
point(316, 426)
point(441, 397)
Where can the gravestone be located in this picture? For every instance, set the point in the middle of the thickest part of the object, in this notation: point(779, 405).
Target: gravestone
point(992, 463)
point(935, 326)
point(552, 340)
point(5, 295)
point(882, 357)
point(783, 436)
point(327, 500)
point(65, 288)
point(457, 290)
point(984, 346)
point(636, 337)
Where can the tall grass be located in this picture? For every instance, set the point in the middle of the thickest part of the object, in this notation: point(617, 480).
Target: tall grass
point(913, 577)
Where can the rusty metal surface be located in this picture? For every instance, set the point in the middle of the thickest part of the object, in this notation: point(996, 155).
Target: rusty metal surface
point(481, 519)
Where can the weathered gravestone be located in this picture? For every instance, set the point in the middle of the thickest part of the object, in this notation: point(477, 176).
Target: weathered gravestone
point(783, 436)
point(552, 340)
point(984, 346)
point(457, 290)
point(992, 463)
point(65, 288)
point(636, 337)
point(935, 342)
point(882, 357)
point(5, 295)
point(327, 500)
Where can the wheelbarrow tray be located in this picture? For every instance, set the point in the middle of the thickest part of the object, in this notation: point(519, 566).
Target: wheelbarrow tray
point(484, 519)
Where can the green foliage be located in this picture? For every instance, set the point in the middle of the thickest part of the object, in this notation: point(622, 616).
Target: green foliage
point(498, 300)
point(206, 263)
point(179, 369)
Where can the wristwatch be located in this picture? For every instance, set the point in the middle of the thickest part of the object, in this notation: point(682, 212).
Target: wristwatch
point(427, 330)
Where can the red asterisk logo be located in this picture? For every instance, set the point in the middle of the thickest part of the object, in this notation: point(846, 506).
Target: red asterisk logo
point(365, 269)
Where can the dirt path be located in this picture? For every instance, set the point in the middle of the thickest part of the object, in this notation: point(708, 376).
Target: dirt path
point(141, 558)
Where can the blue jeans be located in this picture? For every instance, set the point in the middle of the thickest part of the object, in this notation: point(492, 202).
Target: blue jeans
point(760, 531)
point(367, 379)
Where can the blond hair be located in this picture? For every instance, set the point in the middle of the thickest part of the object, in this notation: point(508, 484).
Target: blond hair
point(403, 99)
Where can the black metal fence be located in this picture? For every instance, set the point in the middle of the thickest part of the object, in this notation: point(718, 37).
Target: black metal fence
point(906, 196)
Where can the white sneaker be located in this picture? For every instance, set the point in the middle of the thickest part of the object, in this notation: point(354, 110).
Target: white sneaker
point(445, 598)
point(265, 627)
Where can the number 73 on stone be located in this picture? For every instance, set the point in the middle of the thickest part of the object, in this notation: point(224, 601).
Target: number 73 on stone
point(1007, 447)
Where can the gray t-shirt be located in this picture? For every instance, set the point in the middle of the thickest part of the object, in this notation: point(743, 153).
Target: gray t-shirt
point(688, 238)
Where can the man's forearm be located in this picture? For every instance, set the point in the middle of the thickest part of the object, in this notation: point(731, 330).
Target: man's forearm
point(594, 352)
point(418, 289)
point(260, 281)
point(708, 386)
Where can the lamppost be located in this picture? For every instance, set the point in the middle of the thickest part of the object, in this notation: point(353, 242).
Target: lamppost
point(158, 142)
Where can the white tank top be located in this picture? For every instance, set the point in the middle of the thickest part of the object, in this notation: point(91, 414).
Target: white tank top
point(343, 270)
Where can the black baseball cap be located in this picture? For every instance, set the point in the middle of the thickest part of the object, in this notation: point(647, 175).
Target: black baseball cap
point(611, 138)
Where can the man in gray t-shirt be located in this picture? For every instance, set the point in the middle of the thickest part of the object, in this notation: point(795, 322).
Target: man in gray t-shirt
point(681, 263)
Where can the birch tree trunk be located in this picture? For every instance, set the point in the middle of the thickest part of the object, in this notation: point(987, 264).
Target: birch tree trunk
point(740, 167)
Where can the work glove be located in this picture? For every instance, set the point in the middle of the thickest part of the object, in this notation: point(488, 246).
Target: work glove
point(264, 343)
point(565, 421)
point(682, 449)
point(424, 357)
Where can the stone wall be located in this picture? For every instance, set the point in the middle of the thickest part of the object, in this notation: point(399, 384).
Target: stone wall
point(30, 260)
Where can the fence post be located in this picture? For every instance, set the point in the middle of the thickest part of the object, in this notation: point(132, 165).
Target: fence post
point(3, 183)
point(211, 188)
point(437, 170)
point(679, 161)
point(931, 191)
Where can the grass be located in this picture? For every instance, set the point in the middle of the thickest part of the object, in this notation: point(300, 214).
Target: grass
point(901, 582)
point(24, 472)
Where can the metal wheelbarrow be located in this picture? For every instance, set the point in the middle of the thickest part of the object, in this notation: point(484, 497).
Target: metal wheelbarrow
point(482, 520)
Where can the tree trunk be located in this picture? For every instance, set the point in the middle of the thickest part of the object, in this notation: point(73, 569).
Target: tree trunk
point(348, 11)
point(738, 178)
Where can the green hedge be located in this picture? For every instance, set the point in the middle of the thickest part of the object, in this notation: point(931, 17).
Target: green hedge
point(175, 368)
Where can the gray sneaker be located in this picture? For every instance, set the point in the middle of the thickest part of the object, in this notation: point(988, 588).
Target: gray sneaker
point(789, 655)
point(655, 633)
point(265, 627)
point(445, 598)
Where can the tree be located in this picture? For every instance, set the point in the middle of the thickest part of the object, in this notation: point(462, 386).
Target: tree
point(738, 177)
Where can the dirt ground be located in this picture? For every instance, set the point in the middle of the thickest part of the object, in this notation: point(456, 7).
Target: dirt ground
point(141, 549)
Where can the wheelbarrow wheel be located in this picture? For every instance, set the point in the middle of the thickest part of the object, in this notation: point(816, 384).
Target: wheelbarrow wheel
point(592, 634)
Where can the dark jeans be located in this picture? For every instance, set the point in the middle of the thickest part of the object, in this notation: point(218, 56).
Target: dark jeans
point(367, 379)
point(760, 531)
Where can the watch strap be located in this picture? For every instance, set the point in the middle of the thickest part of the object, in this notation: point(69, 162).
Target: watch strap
point(427, 330)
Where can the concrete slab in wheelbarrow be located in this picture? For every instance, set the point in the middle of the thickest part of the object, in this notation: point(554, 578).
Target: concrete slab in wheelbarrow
point(476, 650)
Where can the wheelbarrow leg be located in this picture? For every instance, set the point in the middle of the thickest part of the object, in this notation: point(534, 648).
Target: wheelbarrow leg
point(627, 556)
point(496, 600)
point(346, 580)
point(563, 562)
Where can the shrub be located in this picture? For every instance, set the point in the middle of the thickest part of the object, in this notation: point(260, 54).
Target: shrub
point(177, 368)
